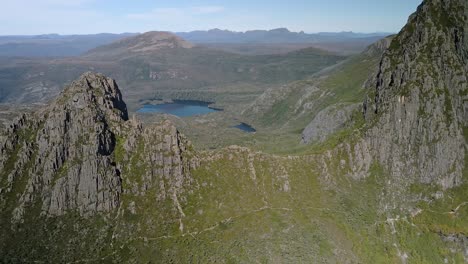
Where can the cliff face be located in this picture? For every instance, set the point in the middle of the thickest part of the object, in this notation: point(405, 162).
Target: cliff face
point(110, 190)
point(417, 109)
point(70, 156)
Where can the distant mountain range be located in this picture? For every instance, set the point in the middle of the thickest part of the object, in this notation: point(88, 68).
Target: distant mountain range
point(279, 35)
point(54, 45)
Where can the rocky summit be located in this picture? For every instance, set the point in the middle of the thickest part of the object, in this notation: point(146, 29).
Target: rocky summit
point(74, 154)
point(380, 174)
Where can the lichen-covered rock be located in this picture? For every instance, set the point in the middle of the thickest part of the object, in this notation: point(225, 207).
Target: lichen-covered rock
point(417, 107)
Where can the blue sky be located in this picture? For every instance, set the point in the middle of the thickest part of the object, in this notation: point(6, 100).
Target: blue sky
point(116, 16)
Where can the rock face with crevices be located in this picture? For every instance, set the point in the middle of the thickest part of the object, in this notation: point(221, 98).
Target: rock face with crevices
point(70, 155)
point(418, 104)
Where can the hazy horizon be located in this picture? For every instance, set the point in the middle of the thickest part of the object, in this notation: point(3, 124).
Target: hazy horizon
point(215, 28)
point(79, 17)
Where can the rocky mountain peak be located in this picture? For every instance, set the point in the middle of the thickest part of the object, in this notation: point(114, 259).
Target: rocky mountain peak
point(75, 154)
point(94, 91)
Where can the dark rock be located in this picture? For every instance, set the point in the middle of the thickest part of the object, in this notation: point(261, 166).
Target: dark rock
point(67, 152)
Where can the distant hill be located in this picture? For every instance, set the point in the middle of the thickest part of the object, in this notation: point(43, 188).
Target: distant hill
point(279, 35)
point(54, 45)
point(144, 43)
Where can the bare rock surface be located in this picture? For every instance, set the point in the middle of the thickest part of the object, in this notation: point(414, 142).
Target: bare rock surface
point(418, 101)
point(327, 122)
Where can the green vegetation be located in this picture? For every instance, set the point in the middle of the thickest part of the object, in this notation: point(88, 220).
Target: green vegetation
point(448, 111)
point(280, 126)
point(8, 166)
point(62, 172)
point(137, 169)
point(119, 151)
point(273, 200)
point(443, 18)
point(465, 133)
point(395, 45)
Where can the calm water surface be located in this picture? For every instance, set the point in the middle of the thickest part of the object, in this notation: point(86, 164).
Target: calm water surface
point(246, 127)
point(180, 108)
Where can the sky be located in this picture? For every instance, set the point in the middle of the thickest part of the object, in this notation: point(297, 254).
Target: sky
point(31, 17)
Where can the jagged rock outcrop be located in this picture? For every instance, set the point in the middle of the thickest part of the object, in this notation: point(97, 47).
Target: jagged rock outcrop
point(157, 159)
point(70, 156)
point(418, 105)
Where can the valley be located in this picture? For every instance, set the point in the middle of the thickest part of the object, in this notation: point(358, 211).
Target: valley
point(174, 70)
point(184, 150)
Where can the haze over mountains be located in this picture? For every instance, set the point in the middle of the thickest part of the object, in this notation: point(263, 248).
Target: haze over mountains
point(357, 158)
point(54, 45)
point(279, 35)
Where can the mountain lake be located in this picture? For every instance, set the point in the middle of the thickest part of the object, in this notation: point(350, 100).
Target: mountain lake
point(180, 108)
point(246, 128)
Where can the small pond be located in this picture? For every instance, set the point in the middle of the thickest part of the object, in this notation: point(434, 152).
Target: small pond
point(181, 108)
point(246, 128)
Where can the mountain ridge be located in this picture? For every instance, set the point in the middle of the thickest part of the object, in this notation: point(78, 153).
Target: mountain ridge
point(278, 35)
point(55, 45)
point(390, 188)
point(52, 45)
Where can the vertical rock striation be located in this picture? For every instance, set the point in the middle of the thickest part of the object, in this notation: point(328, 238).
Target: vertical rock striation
point(418, 105)
point(68, 156)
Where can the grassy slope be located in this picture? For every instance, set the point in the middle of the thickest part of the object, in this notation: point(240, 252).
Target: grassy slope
point(284, 122)
point(252, 207)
